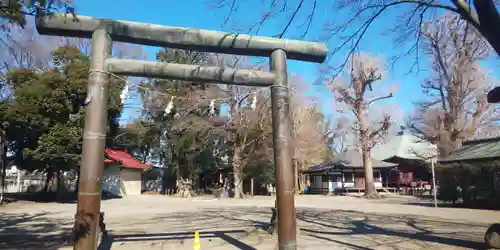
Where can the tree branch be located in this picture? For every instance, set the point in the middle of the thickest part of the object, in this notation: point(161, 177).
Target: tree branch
point(382, 129)
point(380, 98)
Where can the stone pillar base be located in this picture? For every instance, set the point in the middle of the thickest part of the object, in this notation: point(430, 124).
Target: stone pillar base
point(492, 236)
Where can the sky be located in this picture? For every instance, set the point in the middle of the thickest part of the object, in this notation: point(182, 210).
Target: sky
point(198, 14)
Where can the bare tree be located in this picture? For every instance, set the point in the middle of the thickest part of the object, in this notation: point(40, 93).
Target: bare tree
point(456, 107)
point(24, 48)
point(299, 16)
point(247, 127)
point(310, 142)
point(353, 93)
point(342, 136)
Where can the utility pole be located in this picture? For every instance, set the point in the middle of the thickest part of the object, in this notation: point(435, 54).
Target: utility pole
point(434, 188)
point(3, 165)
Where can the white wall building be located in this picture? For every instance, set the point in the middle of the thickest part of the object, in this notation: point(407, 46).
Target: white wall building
point(122, 174)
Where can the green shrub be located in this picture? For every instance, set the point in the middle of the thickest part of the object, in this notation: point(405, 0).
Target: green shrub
point(449, 188)
point(449, 192)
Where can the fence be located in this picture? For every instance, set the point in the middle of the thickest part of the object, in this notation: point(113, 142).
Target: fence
point(29, 183)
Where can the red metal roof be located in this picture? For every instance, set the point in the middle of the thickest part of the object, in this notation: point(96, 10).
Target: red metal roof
point(124, 158)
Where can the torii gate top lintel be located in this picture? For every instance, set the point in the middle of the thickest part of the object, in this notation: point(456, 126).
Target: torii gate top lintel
point(59, 24)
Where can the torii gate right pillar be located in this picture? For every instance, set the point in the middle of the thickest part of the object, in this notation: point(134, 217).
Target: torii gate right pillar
point(282, 137)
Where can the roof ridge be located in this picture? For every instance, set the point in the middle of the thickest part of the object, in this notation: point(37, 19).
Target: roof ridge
point(481, 140)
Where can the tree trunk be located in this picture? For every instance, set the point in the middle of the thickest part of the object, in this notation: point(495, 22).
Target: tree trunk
point(77, 181)
point(60, 185)
point(178, 179)
point(300, 181)
point(59, 180)
point(296, 176)
point(238, 174)
point(3, 165)
point(302, 178)
point(251, 185)
point(448, 138)
point(238, 184)
point(370, 191)
point(50, 175)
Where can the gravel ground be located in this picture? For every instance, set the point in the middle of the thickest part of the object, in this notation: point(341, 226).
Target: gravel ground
point(160, 222)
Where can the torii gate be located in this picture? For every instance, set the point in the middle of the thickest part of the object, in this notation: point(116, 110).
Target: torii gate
point(104, 31)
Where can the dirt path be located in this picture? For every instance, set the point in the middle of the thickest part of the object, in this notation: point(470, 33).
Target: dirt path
point(159, 222)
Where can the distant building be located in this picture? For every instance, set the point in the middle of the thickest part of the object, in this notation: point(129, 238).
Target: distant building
point(412, 155)
point(344, 172)
point(122, 173)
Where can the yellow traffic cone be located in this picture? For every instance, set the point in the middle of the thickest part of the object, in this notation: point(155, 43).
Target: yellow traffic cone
point(196, 244)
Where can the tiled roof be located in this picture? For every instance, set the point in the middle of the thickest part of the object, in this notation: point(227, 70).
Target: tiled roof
point(350, 159)
point(476, 150)
point(124, 158)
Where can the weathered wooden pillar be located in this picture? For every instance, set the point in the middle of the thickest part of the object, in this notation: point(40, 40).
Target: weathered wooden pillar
point(94, 137)
point(282, 136)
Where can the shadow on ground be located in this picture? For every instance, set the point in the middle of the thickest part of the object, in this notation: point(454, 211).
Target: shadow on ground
point(484, 204)
point(48, 197)
point(33, 231)
point(375, 230)
point(163, 238)
point(321, 228)
point(242, 228)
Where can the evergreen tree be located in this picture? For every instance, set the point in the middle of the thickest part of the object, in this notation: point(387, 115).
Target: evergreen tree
point(15, 11)
point(180, 135)
point(45, 117)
